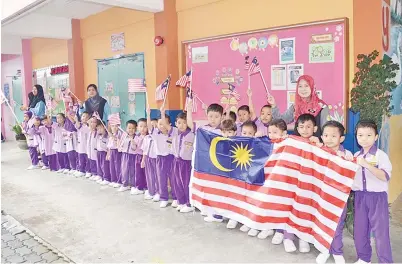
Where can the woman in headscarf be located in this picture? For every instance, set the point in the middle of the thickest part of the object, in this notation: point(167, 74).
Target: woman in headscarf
point(37, 103)
point(95, 103)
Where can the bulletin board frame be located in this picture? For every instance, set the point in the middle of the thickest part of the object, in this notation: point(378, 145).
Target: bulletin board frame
point(346, 56)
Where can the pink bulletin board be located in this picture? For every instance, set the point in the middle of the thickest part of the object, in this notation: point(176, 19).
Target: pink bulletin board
point(318, 49)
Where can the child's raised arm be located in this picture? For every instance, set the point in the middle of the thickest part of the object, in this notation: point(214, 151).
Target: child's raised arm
point(189, 109)
point(250, 104)
point(163, 118)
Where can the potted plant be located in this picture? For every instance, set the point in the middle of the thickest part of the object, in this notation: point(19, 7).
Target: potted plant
point(20, 137)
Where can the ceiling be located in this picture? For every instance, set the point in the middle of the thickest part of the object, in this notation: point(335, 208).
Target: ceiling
point(52, 18)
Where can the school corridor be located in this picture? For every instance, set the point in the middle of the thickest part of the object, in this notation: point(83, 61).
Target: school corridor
point(90, 223)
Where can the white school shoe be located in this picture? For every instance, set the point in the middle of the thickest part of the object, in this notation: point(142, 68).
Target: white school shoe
point(186, 209)
point(60, 171)
point(111, 184)
point(304, 247)
point(203, 213)
point(45, 168)
point(33, 167)
point(244, 228)
point(147, 195)
point(105, 182)
point(339, 259)
point(99, 181)
point(360, 261)
point(136, 191)
point(123, 189)
point(174, 204)
point(163, 204)
point(322, 258)
point(277, 239)
point(88, 175)
point(231, 224)
point(211, 218)
point(97, 178)
point(116, 185)
point(156, 198)
point(66, 171)
point(265, 233)
point(253, 232)
point(289, 245)
point(79, 174)
point(133, 190)
point(178, 208)
point(92, 177)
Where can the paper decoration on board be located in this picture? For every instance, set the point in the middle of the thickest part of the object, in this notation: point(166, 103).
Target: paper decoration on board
point(287, 52)
point(136, 85)
point(252, 43)
point(115, 101)
point(131, 108)
point(109, 87)
point(321, 38)
point(6, 90)
point(336, 112)
point(243, 48)
point(234, 44)
point(226, 75)
point(199, 54)
point(294, 71)
point(278, 77)
point(117, 42)
point(131, 97)
point(262, 43)
point(273, 41)
point(321, 52)
point(291, 97)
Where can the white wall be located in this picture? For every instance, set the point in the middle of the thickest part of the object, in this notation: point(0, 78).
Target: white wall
point(9, 68)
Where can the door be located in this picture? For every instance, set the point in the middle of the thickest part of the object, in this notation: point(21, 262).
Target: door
point(108, 82)
point(17, 97)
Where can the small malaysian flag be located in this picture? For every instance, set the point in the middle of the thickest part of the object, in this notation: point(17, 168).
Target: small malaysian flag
point(233, 92)
point(3, 98)
point(184, 80)
point(254, 67)
point(160, 92)
point(114, 119)
point(136, 85)
point(247, 63)
point(96, 115)
point(191, 96)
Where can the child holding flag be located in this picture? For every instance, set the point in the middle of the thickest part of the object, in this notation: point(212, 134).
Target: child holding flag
point(30, 129)
point(47, 133)
point(60, 144)
point(102, 162)
point(128, 147)
point(114, 155)
point(140, 182)
point(91, 149)
point(82, 143)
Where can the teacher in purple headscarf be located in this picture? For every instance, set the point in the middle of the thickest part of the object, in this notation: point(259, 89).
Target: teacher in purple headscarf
point(95, 103)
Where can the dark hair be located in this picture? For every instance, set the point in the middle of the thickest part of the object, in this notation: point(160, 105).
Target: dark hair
point(215, 108)
point(93, 86)
point(232, 115)
point(250, 123)
point(244, 108)
point(334, 124)
point(166, 117)
point(279, 123)
point(133, 122)
point(154, 119)
point(98, 122)
point(182, 116)
point(142, 120)
point(228, 125)
point(266, 106)
point(62, 115)
point(304, 118)
point(85, 112)
point(45, 117)
point(367, 123)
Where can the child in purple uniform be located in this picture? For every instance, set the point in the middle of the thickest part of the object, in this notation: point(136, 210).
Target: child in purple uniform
point(60, 144)
point(71, 143)
point(333, 134)
point(30, 128)
point(114, 155)
point(82, 143)
point(102, 163)
point(164, 162)
point(47, 133)
point(371, 212)
point(127, 147)
point(140, 178)
point(183, 151)
point(91, 149)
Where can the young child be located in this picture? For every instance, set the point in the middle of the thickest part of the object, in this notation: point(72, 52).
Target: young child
point(265, 118)
point(103, 166)
point(114, 155)
point(49, 155)
point(333, 134)
point(91, 167)
point(128, 147)
point(230, 115)
point(82, 143)
point(228, 128)
point(243, 114)
point(139, 176)
point(164, 161)
point(371, 212)
point(183, 151)
point(60, 144)
point(149, 164)
point(70, 135)
point(30, 129)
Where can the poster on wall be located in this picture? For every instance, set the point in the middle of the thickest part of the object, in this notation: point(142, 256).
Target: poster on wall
point(322, 52)
point(278, 77)
point(287, 52)
point(291, 96)
point(6, 90)
point(115, 101)
point(117, 42)
point(199, 54)
point(294, 71)
point(131, 108)
point(109, 87)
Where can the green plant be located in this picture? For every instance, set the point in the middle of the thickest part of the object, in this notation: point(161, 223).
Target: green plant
point(18, 132)
point(374, 83)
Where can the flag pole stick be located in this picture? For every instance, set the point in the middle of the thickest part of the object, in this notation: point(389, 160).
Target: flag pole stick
point(100, 120)
point(265, 85)
point(164, 99)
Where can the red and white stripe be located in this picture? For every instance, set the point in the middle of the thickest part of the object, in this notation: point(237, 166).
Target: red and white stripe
point(254, 68)
point(114, 119)
point(305, 191)
point(136, 85)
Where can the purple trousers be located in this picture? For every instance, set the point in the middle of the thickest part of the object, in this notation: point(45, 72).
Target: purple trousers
point(115, 165)
point(128, 169)
point(150, 173)
point(45, 160)
point(72, 158)
point(91, 166)
point(82, 162)
point(140, 179)
point(62, 158)
point(33, 153)
point(164, 165)
point(50, 161)
point(182, 173)
point(372, 214)
point(286, 234)
point(337, 244)
point(103, 166)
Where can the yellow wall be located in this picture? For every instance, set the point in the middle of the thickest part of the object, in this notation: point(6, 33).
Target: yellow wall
point(47, 52)
point(138, 28)
point(395, 154)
